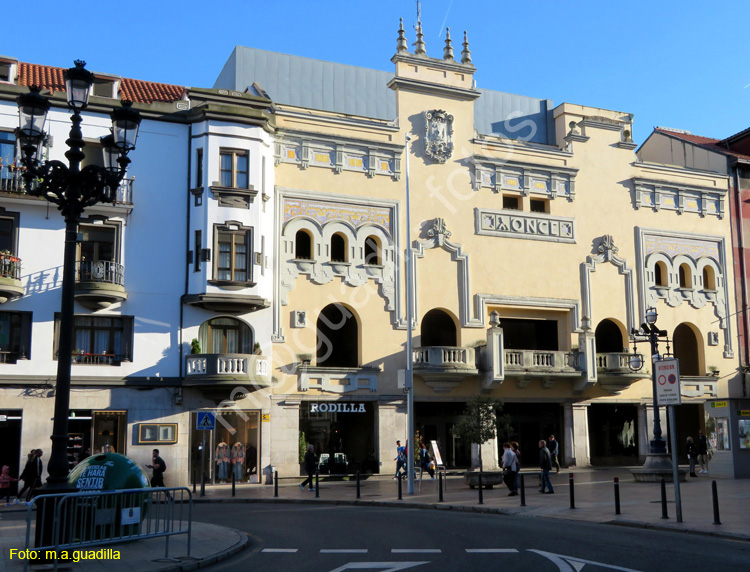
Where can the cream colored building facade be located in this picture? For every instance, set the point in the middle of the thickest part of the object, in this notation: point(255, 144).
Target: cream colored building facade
point(568, 240)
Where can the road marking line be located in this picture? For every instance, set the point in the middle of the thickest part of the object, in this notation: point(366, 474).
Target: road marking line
point(415, 551)
point(343, 550)
point(489, 550)
point(280, 550)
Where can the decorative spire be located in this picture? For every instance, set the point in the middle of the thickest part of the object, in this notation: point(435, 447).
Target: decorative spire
point(448, 49)
point(401, 44)
point(465, 53)
point(419, 44)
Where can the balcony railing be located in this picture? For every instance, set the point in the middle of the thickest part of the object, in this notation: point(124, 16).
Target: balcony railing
point(227, 367)
point(10, 267)
point(100, 271)
point(615, 362)
point(11, 181)
point(444, 356)
point(96, 359)
point(540, 361)
point(9, 357)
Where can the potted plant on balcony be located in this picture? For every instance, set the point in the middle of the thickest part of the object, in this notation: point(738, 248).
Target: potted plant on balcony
point(480, 424)
point(714, 371)
point(257, 349)
point(305, 359)
point(195, 346)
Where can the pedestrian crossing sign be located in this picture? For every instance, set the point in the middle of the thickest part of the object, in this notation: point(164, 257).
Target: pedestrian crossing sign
point(206, 421)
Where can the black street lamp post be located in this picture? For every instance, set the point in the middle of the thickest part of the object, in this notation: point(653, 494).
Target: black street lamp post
point(651, 334)
point(72, 189)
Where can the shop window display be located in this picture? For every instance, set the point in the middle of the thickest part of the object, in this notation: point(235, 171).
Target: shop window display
point(231, 448)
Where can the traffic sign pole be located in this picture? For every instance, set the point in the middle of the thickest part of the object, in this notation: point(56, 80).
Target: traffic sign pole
point(675, 466)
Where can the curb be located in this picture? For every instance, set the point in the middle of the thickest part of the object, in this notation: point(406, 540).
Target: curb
point(241, 545)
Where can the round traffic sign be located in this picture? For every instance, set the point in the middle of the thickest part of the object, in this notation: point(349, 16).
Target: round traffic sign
point(662, 379)
point(672, 378)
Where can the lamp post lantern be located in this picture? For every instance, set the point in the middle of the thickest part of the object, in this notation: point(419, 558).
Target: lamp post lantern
point(72, 189)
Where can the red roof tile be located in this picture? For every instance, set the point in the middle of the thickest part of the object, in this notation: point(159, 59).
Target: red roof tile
point(52, 79)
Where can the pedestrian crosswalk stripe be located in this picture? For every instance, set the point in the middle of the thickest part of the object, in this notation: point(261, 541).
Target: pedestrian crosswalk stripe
point(415, 551)
point(343, 550)
point(489, 550)
point(274, 550)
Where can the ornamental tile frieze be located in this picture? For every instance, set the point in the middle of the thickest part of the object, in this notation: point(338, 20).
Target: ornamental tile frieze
point(659, 195)
point(527, 179)
point(672, 246)
point(368, 158)
point(514, 224)
point(325, 211)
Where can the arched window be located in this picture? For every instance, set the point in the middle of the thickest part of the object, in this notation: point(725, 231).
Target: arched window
point(338, 337)
point(660, 271)
point(709, 278)
point(302, 245)
point(338, 248)
point(372, 251)
point(225, 336)
point(687, 350)
point(686, 277)
point(608, 338)
point(438, 329)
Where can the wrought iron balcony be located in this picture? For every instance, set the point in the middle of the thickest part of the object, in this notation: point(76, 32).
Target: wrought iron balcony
point(99, 283)
point(11, 181)
point(86, 358)
point(216, 369)
point(10, 277)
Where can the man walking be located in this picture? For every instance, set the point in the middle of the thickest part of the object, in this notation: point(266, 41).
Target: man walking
point(510, 468)
point(309, 468)
point(400, 461)
point(703, 452)
point(554, 450)
point(158, 466)
point(545, 463)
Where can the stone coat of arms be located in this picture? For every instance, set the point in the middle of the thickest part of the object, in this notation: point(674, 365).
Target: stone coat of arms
point(438, 136)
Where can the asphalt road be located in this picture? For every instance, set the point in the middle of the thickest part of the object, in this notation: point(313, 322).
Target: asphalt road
point(326, 538)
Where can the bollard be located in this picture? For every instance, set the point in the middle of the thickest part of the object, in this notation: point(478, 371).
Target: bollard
point(276, 484)
point(194, 482)
point(203, 483)
point(715, 495)
point(440, 486)
point(523, 491)
point(317, 483)
point(399, 488)
point(358, 490)
point(664, 499)
point(617, 495)
point(481, 498)
point(233, 481)
point(572, 491)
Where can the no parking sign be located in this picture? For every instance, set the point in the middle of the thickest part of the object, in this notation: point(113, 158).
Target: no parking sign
point(667, 372)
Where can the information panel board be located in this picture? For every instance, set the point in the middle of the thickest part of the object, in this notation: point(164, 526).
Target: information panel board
point(667, 372)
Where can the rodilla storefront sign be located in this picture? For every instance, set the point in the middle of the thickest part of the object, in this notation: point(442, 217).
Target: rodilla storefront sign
point(337, 408)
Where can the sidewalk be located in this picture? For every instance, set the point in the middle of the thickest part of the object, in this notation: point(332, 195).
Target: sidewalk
point(594, 502)
point(640, 503)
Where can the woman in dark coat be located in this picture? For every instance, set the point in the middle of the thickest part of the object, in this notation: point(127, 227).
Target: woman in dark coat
point(28, 476)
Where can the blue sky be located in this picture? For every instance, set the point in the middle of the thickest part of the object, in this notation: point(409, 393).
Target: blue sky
point(674, 64)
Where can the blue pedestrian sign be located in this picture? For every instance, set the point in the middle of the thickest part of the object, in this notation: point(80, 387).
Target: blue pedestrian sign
point(206, 421)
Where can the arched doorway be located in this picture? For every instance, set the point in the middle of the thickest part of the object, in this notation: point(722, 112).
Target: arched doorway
point(225, 336)
point(608, 336)
point(338, 337)
point(687, 349)
point(438, 329)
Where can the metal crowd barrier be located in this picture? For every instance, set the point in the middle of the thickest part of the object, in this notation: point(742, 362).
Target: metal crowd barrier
point(99, 518)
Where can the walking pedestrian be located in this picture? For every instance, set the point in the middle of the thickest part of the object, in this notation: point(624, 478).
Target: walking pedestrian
point(159, 467)
point(309, 468)
point(692, 453)
point(545, 463)
point(28, 477)
point(509, 469)
point(5, 480)
point(400, 461)
point(554, 450)
point(703, 452)
point(517, 451)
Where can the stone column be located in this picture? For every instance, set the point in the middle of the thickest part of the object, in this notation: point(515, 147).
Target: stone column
point(284, 435)
point(580, 454)
point(391, 426)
